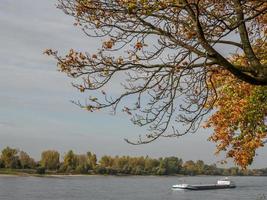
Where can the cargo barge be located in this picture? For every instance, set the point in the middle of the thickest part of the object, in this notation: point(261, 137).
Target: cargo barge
point(221, 184)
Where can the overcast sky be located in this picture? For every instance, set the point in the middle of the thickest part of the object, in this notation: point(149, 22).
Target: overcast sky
point(36, 113)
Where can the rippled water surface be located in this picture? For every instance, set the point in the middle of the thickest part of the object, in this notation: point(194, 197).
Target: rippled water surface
point(125, 188)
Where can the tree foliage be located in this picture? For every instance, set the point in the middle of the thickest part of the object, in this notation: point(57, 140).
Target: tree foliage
point(50, 159)
point(70, 161)
point(10, 157)
point(81, 163)
point(116, 165)
point(240, 120)
point(169, 50)
point(26, 161)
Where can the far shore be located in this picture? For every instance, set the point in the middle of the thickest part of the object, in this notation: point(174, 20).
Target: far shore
point(9, 172)
point(84, 175)
point(97, 175)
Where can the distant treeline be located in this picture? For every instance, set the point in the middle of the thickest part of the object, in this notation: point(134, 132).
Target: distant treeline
point(119, 165)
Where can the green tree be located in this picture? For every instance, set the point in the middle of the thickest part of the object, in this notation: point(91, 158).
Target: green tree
point(234, 171)
point(173, 165)
point(91, 160)
point(189, 168)
point(82, 164)
point(200, 167)
point(26, 161)
point(121, 164)
point(1, 163)
point(162, 167)
point(50, 159)
point(106, 161)
point(151, 165)
point(70, 161)
point(10, 158)
point(211, 170)
point(40, 170)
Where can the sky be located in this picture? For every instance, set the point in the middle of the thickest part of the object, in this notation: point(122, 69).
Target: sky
point(35, 109)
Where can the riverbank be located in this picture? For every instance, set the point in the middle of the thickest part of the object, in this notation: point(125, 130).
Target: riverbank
point(19, 172)
point(32, 172)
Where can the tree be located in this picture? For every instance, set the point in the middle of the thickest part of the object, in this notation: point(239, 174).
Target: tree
point(151, 165)
point(79, 163)
point(200, 167)
point(50, 159)
point(190, 168)
point(26, 161)
point(169, 51)
point(70, 161)
point(241, 108)
point(106, 161)
point(10, 158)
point(173, 165)
point(1, 163)
point(91, 160)
point(82, 164)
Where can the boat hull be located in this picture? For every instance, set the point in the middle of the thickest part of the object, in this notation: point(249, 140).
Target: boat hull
point(202, 187)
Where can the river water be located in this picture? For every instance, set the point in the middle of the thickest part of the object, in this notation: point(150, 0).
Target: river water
point(125, 188)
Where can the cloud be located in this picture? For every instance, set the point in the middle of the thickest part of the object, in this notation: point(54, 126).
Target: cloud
point(4, 124)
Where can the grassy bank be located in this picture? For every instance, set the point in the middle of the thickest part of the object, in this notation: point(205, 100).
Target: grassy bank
point(18, 172)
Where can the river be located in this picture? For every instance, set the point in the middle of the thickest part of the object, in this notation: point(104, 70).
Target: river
point(125, 188)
